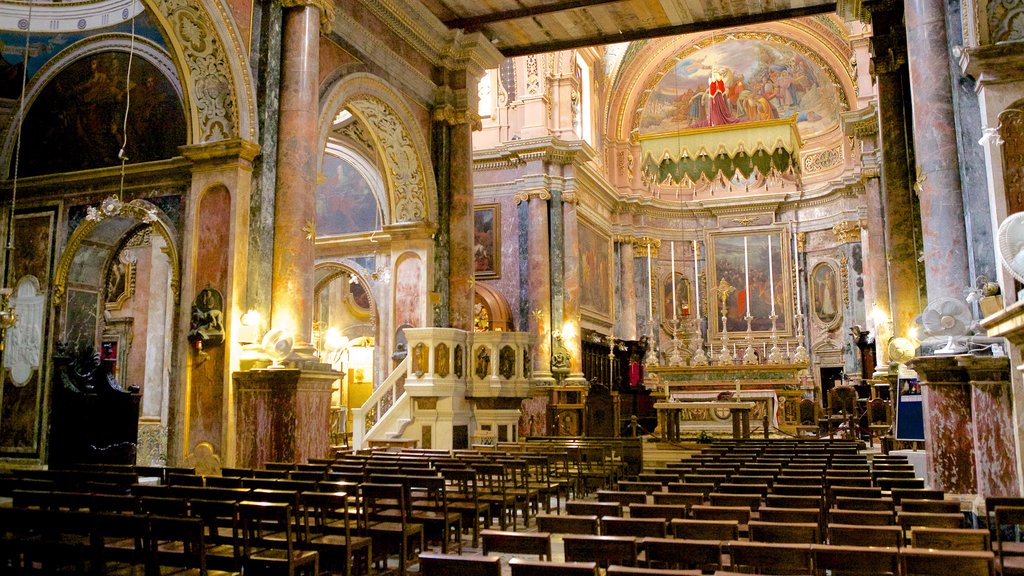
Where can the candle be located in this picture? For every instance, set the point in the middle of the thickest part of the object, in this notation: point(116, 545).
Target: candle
point(673, 256)
point(696, 280)
point(787, 347)
point(771, 275)
point(796, 260)
point(764, 349)
point(746, 276)
point(733, 348)
point(650, 284)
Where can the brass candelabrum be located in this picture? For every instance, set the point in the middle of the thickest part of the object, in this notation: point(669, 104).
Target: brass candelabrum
point(723, 290)
point(775, 355)
point(8, 318)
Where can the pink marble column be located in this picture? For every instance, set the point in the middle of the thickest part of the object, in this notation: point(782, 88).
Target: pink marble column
point(539, 286)
point(626, 315)
point(461, 228)
point(295, 205)
point(571, 283)
point(935, 150)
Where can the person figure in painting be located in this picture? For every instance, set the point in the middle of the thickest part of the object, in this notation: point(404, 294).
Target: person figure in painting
point(828, 306)
point(718, 109)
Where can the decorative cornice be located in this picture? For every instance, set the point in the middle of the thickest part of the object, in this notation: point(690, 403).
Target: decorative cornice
point(847, 232)
point(624, 239)
point(861, 123)
point(326, 8)
point(547, 148)
point(889, 51)
point(994, 64)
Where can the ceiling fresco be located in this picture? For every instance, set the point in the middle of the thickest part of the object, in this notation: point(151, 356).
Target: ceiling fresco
point(754, 79)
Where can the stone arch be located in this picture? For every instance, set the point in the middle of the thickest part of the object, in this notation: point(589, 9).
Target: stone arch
point(220, 97)
point(499, 313)
point(402, 147)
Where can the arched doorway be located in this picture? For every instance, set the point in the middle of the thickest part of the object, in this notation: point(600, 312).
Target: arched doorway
point(491, 312)
point(345, 332)
point(116, 292)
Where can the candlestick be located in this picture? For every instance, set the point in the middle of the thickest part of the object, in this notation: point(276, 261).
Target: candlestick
point(746, 276)
point(771, 275)
point(673, 256)
point(650, 289)
point(796, 261)
point(696, 281)
point(787, 348)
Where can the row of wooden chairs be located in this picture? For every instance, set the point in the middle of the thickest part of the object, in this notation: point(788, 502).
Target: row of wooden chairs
point(586, 555)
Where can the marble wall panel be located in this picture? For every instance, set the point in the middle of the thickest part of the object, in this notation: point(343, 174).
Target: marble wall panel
point(993, 440)
point(21, 412)
point(509, 281)
point(949, 436)
point(206, 384)
point(533, 421)
point(409, 297)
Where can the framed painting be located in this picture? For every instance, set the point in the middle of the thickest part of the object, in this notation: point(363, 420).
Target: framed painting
point(595, 271)
point(683, 298)
point(487, 241)
point(742, 271)
point(824, 288)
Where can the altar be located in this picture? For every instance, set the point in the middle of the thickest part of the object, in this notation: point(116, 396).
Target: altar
point(673, 416)
point(774, 389)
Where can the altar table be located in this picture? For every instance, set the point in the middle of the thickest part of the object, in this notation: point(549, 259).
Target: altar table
point(670, 414)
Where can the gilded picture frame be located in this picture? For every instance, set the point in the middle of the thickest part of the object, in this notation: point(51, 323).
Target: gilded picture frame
point(596, 269)
point(487, 241)
point(726, 262)
point(825, 302)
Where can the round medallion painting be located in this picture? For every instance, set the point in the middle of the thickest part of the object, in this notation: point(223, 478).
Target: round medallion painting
point(742, 80)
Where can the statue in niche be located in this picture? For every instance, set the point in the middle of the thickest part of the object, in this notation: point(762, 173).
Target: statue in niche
point(207, 327)
point(507, 362)
point(483, 362)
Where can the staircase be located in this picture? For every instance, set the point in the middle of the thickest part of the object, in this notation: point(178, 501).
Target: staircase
point(386, 413)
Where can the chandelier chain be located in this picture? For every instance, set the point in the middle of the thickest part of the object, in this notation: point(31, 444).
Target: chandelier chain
point(21, 123)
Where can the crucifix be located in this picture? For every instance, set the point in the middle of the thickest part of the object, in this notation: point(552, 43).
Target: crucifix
point(723, 290)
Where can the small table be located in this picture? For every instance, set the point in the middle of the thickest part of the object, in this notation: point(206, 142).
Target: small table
point(670, 412)
point(392, 443)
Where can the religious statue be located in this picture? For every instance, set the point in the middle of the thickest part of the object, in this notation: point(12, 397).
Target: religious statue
point(483, 362)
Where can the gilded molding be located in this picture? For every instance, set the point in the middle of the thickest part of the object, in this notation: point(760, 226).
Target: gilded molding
point(643, 244)
point(624, 239)
point(570, 197)
point(844, 278)
point(847, 232)
point(801, 241)
point(453, 116)
point(326, 11)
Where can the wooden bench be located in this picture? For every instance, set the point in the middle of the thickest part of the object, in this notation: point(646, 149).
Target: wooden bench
point(951, 539)
point(538, 543)
point(682, 553)
point(855, 560)
point(793, 532)
point(535, 568)
point(568, 524)
point(446, 565)
point(605, 550)
point(666, 512)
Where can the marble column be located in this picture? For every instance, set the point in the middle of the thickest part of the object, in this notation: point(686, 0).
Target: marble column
point(935, 149)
point(295, 206)
point(461, 228)
point(876, 273)
point(901, 225)
point(539, 282)
point(851, 268)
point(571, 284)
point(626, 315)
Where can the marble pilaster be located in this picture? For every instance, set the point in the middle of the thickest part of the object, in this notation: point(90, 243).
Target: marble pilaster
point(935, 150)
point(896, 194)
point(571, 283)
point(626, 316)
point(295, 206)
point(461, 228)
point(539, 288)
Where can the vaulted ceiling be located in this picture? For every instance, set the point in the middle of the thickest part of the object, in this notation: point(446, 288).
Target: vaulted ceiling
point(518, 27)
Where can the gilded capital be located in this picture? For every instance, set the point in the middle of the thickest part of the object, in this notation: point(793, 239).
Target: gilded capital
point(625, 239)
point(847, 232)
point(570, 197)
point(642, 245)
point(326, 11)
point(527, 195)
point(801, 241)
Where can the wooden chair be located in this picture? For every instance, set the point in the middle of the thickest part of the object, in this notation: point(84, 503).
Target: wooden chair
point(269, 542)
point(464, 498)
point(768, 558)
point(520, 567)
point(784, 501)
point(493, 485)
point(664, 511)
point(586, 508)
point(1007, 519)
point(861, 517)
point(908, 520)
point(702, 488)
point(930, 506)
point(842, 411)
point(879, 419)
point(809, 413)
point(179, 543)
point(446, 565)
point(874, 504)
point(740, 514)
point(899, 494)
point(678, 498)
point(430, 508)
point(634, 571)
point(924, 562)
point(119, 542)
point(768, 514)
point(855, 560)
point(328, 529)
point(387, 516)
point(622, 498)
point(568, 524)
point(950, 539)
point(605, 550)
point(635, 527)
point(858, 535)
point(749, 501)
point(720, 530)
point(534, 543)
point(793, 532)
point(682, 553)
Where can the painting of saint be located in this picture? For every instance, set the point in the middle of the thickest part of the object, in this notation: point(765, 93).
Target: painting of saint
point(345, 203)
point(486, 241)
point(682, 301)
point(595, 271)
point(824, 289)
point(729, 265)
point(743, 80)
